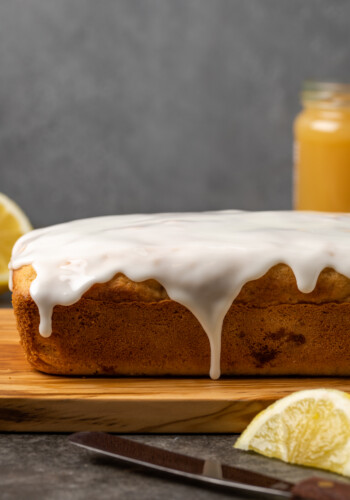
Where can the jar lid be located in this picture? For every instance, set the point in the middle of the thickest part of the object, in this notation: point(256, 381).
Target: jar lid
point(326, 94)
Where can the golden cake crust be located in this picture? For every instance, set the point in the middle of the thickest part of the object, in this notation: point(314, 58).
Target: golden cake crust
point(126, 328)
point(277, 286)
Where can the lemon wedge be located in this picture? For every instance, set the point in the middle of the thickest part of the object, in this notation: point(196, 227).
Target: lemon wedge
point(13, 223)
point(310, 428)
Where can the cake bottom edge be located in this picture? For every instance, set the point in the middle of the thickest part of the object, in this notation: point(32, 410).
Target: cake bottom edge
point(164, 339)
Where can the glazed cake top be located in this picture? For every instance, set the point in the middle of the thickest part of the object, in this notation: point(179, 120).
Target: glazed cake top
point(201, 259)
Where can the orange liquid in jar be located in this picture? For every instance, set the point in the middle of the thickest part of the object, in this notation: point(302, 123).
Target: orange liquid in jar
point(322, 149)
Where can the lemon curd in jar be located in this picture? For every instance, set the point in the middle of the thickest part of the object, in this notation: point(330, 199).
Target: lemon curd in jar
point(322, 149)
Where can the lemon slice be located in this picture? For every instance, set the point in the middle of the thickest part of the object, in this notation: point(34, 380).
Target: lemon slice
point(310, 428)
point(13, 223)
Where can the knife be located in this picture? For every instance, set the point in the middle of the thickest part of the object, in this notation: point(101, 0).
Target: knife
point(208, 472)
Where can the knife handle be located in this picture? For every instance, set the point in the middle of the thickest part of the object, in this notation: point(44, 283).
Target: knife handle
point(317, 488)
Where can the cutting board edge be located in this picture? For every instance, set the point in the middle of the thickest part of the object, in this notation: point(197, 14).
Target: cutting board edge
point(23, 415)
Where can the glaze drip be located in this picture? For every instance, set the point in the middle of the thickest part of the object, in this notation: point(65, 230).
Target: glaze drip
point(201, 259)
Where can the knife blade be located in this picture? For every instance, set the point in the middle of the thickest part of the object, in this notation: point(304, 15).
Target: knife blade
point(207, 472)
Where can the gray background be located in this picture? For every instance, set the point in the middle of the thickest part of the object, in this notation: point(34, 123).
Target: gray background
point(117, 106)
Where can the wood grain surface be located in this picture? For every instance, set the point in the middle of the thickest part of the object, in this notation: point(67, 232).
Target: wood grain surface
point(33, 401)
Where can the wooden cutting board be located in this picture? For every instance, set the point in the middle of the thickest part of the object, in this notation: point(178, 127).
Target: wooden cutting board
point(33, 401)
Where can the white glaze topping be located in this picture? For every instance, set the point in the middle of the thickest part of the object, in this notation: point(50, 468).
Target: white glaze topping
point(201, 259)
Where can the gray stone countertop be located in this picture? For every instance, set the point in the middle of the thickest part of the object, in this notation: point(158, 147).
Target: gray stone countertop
point(48, 467)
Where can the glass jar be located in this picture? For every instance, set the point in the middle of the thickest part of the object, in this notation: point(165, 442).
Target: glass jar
point(322, 149)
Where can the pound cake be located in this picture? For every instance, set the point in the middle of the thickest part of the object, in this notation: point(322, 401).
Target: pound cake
point(230, 292)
